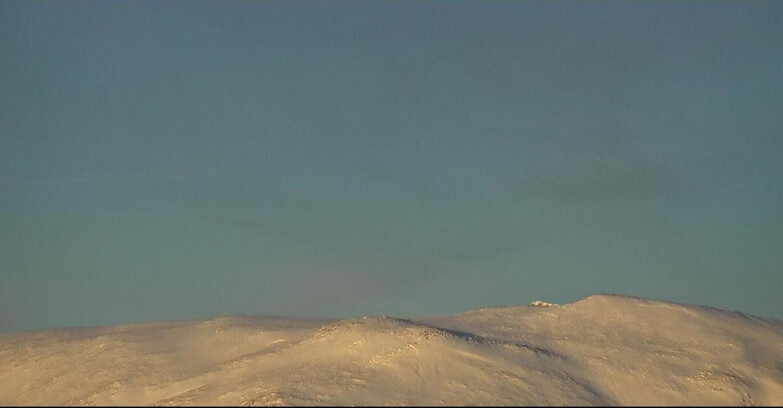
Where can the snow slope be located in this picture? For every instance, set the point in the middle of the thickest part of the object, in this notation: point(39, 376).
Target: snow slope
point(602, 350)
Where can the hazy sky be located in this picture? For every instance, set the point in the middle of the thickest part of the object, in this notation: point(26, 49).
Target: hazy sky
point(172, 160)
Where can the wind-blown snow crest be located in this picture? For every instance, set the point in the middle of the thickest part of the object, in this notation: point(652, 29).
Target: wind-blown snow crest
point(602, 350)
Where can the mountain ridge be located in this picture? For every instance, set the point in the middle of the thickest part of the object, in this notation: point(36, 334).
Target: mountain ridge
point(602, 350)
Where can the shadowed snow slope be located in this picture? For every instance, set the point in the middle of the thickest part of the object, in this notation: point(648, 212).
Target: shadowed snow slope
point(602, 350)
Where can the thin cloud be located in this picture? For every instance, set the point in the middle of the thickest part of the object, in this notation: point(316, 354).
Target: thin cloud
point(601, 178)
point(300, 231)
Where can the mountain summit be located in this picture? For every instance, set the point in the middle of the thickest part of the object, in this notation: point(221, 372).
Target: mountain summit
point(601, 350)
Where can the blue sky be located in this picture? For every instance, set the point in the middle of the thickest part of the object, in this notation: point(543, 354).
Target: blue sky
point(182, 160)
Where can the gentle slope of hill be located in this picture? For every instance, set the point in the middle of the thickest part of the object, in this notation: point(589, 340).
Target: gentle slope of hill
point(602, 350)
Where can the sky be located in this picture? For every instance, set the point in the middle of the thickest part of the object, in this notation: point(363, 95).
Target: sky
point(185, 160)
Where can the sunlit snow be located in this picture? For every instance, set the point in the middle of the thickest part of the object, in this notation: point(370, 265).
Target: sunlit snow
point(602, 350)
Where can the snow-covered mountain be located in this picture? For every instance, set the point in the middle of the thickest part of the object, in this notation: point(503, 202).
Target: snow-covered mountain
point(602, 350)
